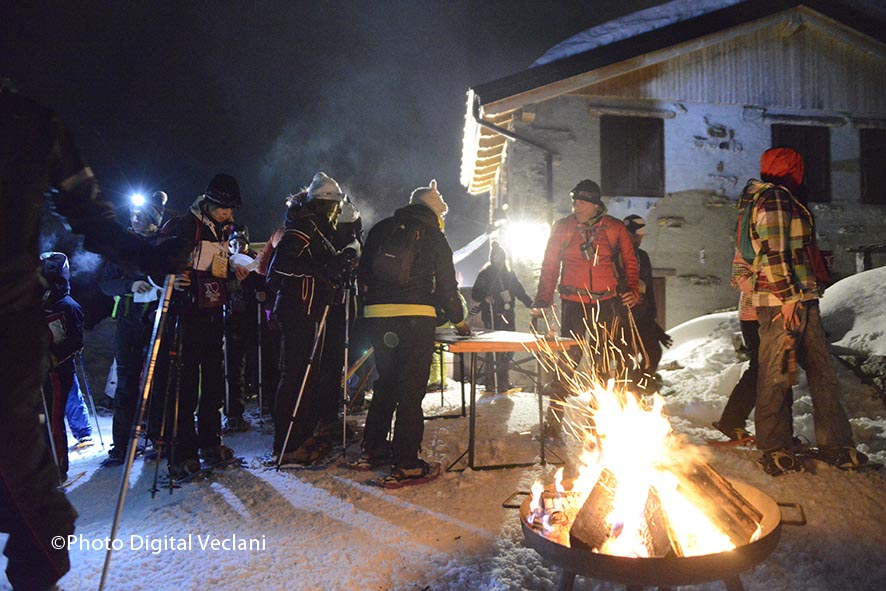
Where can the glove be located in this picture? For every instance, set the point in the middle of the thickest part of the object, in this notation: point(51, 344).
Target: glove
point(665, 339)
point(462, 329)
point(140, 286)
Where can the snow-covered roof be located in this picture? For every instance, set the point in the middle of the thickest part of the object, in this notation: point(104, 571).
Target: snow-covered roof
point(631, 25)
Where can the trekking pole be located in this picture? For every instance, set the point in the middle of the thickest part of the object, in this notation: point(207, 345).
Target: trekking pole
point(225, 353)
point(156, 335)
point(320, 329)
point(172, 385)
point(47, 420)
point(81, 365)
point(344, 373)
point(494, 354)
point(259, 385)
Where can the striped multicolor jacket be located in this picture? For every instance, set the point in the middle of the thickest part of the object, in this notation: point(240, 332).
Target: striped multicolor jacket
point(782, 230)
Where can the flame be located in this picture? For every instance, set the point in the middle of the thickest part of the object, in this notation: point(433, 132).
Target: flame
point(631, 438)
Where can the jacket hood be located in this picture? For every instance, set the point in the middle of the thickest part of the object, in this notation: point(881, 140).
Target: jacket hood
point(198, 209)
point(782, 166)
point(418, 212)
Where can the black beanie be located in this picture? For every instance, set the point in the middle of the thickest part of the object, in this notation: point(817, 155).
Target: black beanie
point(587, 190)
point(224, 190)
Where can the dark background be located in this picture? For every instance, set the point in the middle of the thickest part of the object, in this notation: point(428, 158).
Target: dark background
point(163, 95)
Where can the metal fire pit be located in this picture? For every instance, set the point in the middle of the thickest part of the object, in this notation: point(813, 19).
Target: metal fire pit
point(662, 572)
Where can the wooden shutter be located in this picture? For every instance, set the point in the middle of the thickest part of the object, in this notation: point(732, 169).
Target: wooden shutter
point(632, 156)
point(814, 145)
point(873, 166)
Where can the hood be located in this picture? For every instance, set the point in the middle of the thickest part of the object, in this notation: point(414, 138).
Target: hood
point(418, 212)
point(57, 273)
point(198, 210)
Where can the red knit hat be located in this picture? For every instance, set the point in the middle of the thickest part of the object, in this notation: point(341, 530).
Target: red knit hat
point(782, 163)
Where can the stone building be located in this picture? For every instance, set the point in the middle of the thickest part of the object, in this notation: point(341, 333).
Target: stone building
point(669, 110)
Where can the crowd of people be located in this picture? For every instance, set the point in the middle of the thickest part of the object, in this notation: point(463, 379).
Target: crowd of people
point(283, 317)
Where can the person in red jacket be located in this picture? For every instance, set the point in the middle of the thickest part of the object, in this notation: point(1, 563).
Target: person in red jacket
point(592, 256)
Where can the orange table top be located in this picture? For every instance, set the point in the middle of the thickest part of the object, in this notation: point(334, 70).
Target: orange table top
point(499, 341)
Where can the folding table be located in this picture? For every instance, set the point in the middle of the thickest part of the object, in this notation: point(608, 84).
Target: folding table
point(498, 341)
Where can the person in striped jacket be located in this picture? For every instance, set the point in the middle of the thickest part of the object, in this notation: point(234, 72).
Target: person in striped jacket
point(788, 285)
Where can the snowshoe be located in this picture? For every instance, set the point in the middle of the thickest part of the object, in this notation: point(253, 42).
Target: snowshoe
point(368, 462)
point(311, 454)
point(401, 477)
point(115, 458)
point(83, 442)
point(72, 480)
point(179, 471)
point(844, 458)
point(777, 462)
point(189, 470)
point(236, 425)
point(736, 437)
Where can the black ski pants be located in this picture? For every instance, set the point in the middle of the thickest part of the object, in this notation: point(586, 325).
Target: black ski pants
point(33, 510)
point(241, 350)
point(130, 350)
point(202, 388)
point(403, 348)
point(298, 330)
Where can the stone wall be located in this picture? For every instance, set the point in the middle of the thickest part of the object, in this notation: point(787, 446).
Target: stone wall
point(710, 152)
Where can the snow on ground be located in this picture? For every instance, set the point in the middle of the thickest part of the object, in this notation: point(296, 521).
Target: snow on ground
point(328, 530)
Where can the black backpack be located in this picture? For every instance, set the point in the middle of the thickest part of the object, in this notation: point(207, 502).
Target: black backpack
point(393, 259)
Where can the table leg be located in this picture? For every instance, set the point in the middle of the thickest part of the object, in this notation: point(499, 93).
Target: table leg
point(472, 422)
point(461, 361)
point(541, 413)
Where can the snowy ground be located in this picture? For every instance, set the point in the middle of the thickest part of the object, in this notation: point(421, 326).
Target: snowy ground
point(329, 530)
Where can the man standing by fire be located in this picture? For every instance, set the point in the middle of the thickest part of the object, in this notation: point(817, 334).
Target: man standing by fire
point(408, 272)
point(786, 292)
point(592, 256)
point(37, 155)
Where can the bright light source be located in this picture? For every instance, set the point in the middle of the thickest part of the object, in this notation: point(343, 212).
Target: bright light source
point(137, 199)
point(525, 241)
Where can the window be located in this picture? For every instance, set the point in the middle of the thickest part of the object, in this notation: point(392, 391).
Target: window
point(814, 145)
point(632, 156)
point(873, 166)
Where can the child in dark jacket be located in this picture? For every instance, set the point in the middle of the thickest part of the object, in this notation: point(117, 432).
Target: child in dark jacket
point(64, 319)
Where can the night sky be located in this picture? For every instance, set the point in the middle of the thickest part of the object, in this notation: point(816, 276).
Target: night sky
point(162, 95)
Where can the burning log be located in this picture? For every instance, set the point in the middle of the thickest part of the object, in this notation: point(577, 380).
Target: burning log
point(657, 533)
point(589, 529)
point(705, 488)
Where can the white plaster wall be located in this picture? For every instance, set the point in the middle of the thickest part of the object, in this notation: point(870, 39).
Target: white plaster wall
point(710, 152)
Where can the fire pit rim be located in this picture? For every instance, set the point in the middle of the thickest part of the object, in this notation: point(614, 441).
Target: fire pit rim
point(664, 570)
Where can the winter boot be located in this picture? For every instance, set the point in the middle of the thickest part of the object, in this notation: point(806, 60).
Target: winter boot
point(236, 425)
point(214, 455)
point(736, 434)
point(116, 457)
point(183, 469)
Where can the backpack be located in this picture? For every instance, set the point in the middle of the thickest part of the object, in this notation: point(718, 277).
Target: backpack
point(393, 259)
point(743, 227)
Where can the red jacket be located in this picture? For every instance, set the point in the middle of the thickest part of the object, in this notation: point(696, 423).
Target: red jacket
point(610, 258)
